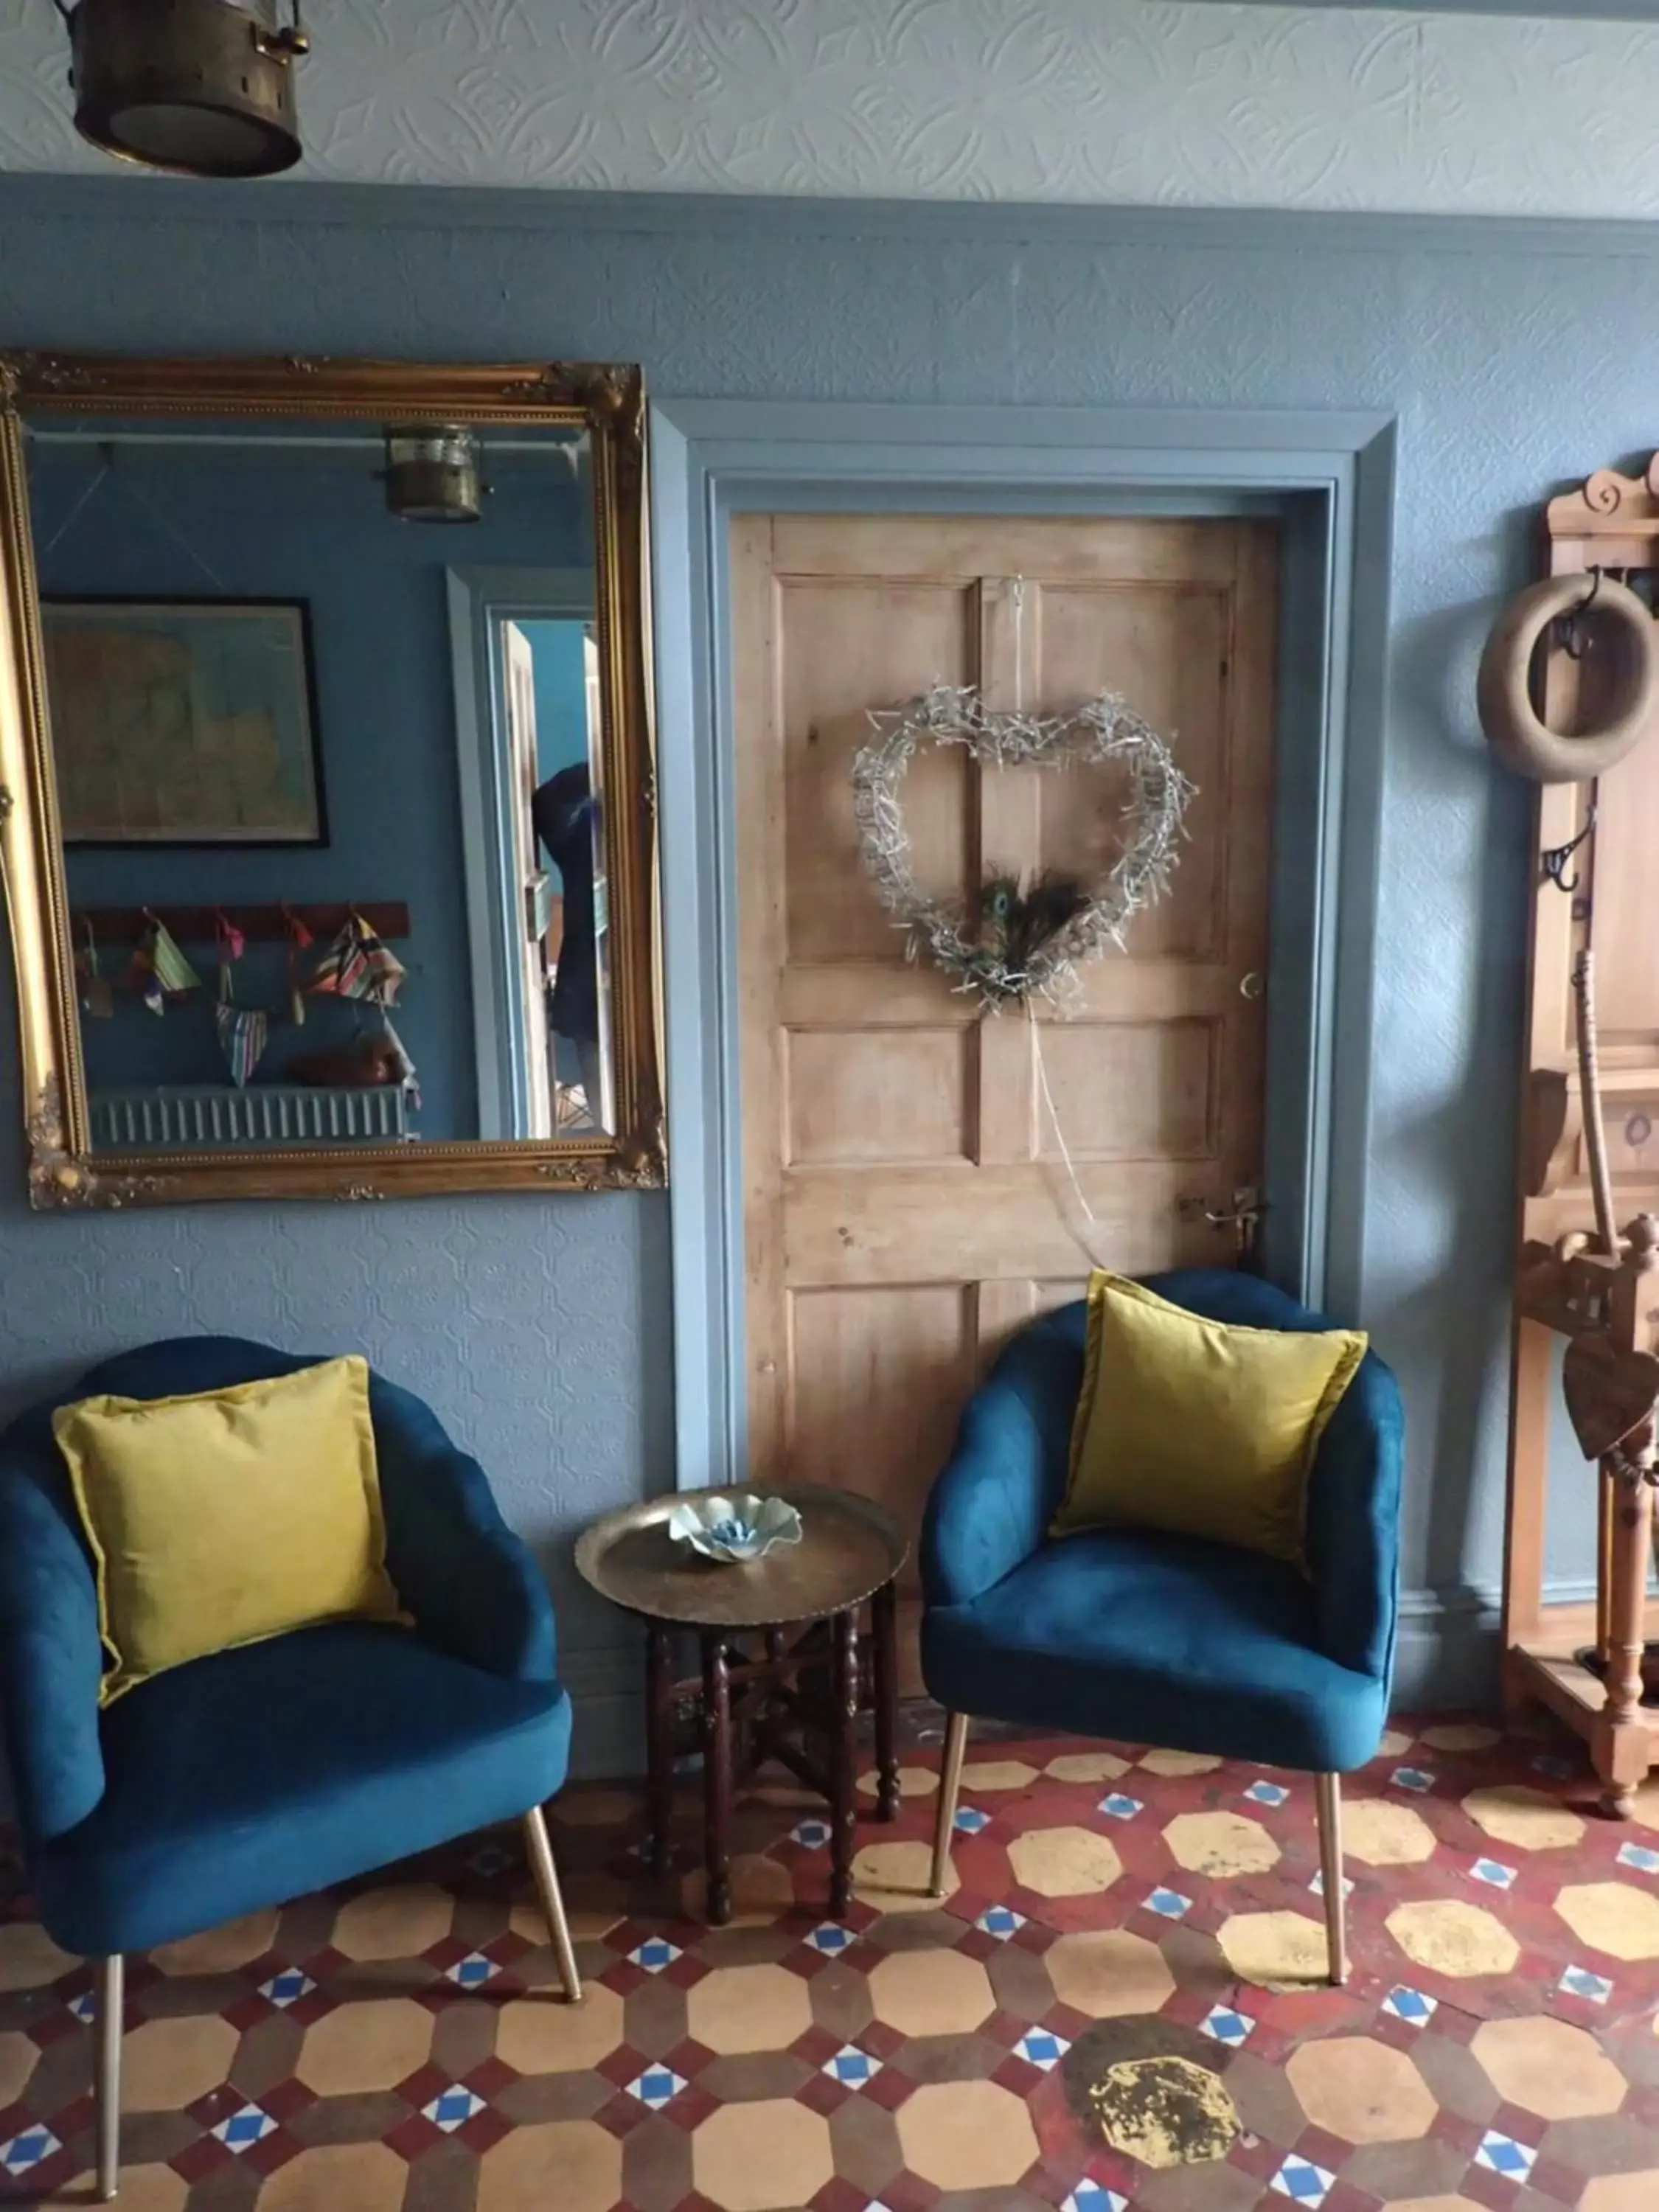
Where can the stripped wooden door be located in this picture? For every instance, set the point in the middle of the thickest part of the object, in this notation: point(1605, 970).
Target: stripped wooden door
point(907, 1200)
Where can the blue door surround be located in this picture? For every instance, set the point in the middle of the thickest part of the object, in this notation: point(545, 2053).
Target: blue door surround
point(1329, 477)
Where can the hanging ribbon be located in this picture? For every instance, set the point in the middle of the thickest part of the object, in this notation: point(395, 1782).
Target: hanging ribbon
point(300, 940)
point(96, 995)
point(159, 969)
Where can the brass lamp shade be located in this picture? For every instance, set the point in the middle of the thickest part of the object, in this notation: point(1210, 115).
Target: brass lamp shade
point(203, 87)
point(432, 473)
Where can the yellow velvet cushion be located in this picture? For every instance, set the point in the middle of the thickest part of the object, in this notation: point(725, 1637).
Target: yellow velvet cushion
point(1197, 1427)
point(226, 1517)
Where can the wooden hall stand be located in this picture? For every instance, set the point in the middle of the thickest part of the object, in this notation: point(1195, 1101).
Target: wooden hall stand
point(1595, 889)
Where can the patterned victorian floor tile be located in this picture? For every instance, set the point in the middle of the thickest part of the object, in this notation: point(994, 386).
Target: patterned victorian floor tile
point(1132, 1952)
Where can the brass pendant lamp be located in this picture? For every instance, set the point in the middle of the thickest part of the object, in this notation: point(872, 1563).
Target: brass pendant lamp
point(201, 87)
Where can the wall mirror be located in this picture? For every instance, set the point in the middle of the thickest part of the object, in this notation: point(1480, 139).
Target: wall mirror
point(328, 796)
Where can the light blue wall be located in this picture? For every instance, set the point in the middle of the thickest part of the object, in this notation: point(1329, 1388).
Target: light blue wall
point(1516, 358)
point(559, 668)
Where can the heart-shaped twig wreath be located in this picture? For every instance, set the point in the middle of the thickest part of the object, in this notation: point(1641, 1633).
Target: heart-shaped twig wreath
point(1102, 729)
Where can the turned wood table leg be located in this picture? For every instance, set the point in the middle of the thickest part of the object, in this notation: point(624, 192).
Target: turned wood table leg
point(717, 1776)
point(883, 1621)
point(1619, 1746)
point(659, 1742)
point(843, 1766)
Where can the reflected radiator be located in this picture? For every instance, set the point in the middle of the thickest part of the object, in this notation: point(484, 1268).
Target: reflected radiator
point(204, 1114)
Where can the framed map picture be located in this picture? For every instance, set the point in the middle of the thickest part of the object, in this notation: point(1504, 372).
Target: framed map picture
point(184, 721)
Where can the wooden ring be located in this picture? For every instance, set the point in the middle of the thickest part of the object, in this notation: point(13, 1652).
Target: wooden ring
point(1514, 728)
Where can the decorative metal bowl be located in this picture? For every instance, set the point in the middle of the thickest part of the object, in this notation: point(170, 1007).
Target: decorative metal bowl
point(734, 1530)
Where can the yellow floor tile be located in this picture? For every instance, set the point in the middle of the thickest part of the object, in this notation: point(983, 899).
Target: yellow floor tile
point(753, 2157)
point(1087, 1766)
point(738, 2008)
point(399, 1922)
point(1109, 1972)
point(574, 2164)
point(1461, 1735)
point(1622, 2192)
point(370, 2042)
point(545, 2035)
point(1064, 1862)
point(895, 1878)
point(1179, 1762)
point(998, 1774)
point(1364, 2091)
point(219, 1950)
point(967, 2135)
point(762, 1890)
point(1220, 1844)
point(1452, 1938)
point(913, 1782)
point(1526, 1819)
point(1612, 1917)
point(1379, 1833)
point(1275, 1949)
point(366, 2177)
point(931, 1992)
point(168, 2062)
point(29, 1957)
point(18, 2058)
point(1549, 2067)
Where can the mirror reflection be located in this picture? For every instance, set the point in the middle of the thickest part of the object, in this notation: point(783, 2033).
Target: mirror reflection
point(326, 705)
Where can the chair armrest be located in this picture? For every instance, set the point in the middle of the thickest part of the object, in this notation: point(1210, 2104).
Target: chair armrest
point(51, 1658)
point(1353, 1522)
point(990, 1508)
point(472, 1586)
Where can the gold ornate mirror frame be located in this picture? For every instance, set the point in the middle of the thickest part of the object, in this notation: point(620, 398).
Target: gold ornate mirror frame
point(606, 400)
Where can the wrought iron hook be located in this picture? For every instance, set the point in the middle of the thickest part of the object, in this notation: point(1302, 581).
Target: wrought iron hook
point(1553, 860)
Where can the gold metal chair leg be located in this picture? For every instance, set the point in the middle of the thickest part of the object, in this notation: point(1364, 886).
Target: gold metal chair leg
point(547, 1887)
point(949, 1786)
point(1329, 1788)
point(111, 1991)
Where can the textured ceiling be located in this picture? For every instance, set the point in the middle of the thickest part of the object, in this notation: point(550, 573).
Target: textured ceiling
point(1102, 101)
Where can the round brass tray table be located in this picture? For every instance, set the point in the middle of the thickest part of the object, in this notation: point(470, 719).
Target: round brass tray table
point(781, 1676)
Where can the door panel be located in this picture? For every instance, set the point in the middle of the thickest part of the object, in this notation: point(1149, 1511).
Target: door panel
point(908, 1197)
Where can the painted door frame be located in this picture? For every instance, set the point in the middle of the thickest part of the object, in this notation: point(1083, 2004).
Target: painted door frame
point(1330, 479)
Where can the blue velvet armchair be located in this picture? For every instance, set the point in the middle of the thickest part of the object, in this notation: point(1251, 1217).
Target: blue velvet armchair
point(239, 1781)
point(1154, 1638)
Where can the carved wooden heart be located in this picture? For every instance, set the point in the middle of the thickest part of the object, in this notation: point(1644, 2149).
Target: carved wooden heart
point(1609, 1393)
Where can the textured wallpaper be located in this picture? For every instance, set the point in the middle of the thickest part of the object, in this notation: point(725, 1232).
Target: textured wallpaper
point(1094, 101)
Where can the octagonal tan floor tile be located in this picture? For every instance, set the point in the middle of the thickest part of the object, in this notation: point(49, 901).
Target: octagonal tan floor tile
point(595, 1808)
point(1615, 1917)
point(29, 1957)
point(1393, 1743)
point(1622, 2192)
point(143, 2189)
point(1384, 1835)
point(368, 2043)
point(1221, 1843)
point(1178, 1762)
point(931, 1992)
point(1527, 1819)
point(1087, 1766)
point(1108, 1971)
point(738, 2008)
point(1458, 2203)
point(967, 2135)
point(594, 1905)
point(1549, 2067)
point(397, 1922)
point(762, 1890)
point(1645, 1810)
point(998, 1774)
point(165, 2063)
point(1461, 1735)
point(219, 1950)
point(913, 1782)
point(1064, 1862)
point(750, 2158)
point(1271, 1948)
point(574, 2164)
point(1363, 2091)
point(1452, 1938)
point(18, 2058)
point(367, 2176)
point(544, 2035)
point(895, 1877)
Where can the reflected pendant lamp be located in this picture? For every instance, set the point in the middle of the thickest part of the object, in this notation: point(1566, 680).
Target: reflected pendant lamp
point(432, 473)
point(200, 88)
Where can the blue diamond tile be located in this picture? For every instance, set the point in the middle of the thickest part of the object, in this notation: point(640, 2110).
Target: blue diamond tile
point(1168, 1904)
point(1317, 1885)
point(1640, 1856)
point(1267, 1793)
point(1412, 1778)
point(85, 2008)
point(29, 2149)
point(851, 2067)
point(1001, 1921)
point(1119, 1807)
point(654, 1954)
point(1301, 2182)
point(245, 2129)
point(1226, 2025)
point(1579, 1982)
point(1503, 2155)
point(287, 1987)
point(657, 2086)
point(831, 1938)
point(970, 1819)
point(1043, 2050)
point(1412, 2006)
point(472, 1970)
point(810, 1835)
point(1493, 1873)
point(452, 2108)
point(1090, 2196)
